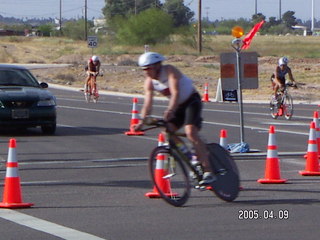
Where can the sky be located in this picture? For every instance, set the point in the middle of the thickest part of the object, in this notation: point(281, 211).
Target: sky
point(213, 9)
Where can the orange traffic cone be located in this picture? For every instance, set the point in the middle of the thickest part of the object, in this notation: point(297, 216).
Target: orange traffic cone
point(205, 97)
point(134, 119)
point(223, 138)
point(312, 162)
point(12, 197)
point(317, 125)
point(272, 170)
point(160, 172)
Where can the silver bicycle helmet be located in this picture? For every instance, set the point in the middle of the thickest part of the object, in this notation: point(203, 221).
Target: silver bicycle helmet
point(95, 58)
point(150, 58)
point(283, 61)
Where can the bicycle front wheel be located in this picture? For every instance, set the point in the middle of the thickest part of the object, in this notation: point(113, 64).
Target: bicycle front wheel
point(169, 176)
point(274, 107)
point(288, 106)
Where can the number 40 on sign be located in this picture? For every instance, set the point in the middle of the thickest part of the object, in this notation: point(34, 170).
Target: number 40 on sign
point(92, 41)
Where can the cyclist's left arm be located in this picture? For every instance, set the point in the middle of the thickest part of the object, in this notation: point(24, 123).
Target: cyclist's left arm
point(98, 68)
point(291, 76)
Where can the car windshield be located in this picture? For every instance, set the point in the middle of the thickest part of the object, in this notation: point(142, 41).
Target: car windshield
point(17, 77)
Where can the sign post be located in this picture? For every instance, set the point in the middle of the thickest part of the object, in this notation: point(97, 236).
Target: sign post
point(92, 42)
point(238, 71)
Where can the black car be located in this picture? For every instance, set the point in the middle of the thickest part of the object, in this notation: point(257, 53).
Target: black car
point(24, 102)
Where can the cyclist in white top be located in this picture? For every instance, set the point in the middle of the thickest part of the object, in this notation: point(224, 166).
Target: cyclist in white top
point(278, 78)
point(184, 106)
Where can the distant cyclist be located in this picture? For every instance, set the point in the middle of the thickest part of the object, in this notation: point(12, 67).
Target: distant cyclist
point(278, 78)
point(92, 69)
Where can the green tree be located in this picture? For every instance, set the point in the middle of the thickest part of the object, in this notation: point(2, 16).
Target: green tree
point(125, 8)
point(148, 27)
point(289, 19)
point(46, 29)
point(181, 14)
point(76, 29)
point(258, 18)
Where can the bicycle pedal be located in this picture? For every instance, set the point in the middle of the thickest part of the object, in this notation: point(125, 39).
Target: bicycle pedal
point(168, 176)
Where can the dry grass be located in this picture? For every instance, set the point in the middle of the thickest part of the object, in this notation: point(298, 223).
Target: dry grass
point(302, 52)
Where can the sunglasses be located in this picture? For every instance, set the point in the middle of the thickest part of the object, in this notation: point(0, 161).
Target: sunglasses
point(148, 68)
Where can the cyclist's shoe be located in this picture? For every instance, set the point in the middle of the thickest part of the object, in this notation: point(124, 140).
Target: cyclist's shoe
point(208, 178)
point(192, 175)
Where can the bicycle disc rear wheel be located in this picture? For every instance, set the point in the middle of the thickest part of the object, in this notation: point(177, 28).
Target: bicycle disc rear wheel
point(274, 107)
point(288, 107)
point(227, 185)
point(169, 176)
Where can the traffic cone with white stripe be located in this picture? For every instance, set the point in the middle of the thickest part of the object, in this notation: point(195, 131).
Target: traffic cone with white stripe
point(134, 119)
point(223, 138)
point(12, 196)
point(312, 161)
point(205, 97)
point(160, 172)
point(317, 125)
point(272, 170)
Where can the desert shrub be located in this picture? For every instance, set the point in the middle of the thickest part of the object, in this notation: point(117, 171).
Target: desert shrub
point(149, 27)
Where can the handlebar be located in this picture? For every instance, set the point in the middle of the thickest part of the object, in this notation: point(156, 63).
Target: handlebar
point(290, 84)
point(151, 121)
point(156, 123)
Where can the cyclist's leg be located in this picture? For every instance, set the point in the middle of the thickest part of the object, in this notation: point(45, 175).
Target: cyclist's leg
point(86, 84)
point(277, 85)
point(92, 84)
point(192, 133)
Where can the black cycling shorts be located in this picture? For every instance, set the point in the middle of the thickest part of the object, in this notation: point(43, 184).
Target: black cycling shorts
point(189, 112)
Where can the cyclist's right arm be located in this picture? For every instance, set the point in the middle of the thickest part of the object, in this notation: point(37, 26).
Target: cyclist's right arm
point(148, 98)
point(148, 101)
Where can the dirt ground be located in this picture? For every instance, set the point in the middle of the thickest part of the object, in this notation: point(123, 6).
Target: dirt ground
point(121, 74)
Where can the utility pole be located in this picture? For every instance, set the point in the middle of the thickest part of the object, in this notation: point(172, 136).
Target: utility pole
point(199, 28)
point(312, 16)
point(85, 21)
point(255, 7)
point(60, 20)
point(280, 10)
point(135, 7)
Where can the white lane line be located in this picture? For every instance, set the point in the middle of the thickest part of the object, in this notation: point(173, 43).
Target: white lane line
point(255, 128)
point(205, 122)
point(46, 226)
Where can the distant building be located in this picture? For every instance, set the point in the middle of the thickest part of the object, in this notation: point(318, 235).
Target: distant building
point(100, 25)
point(7, 32)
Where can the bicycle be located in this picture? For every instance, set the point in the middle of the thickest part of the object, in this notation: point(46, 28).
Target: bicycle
point(92, 91)
point(173, 182)
point(283, 103)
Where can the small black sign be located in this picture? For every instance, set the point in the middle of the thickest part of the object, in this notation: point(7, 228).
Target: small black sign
point(230, 95)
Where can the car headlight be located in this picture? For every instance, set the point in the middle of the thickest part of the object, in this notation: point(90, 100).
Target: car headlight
point(1, 105)
point(46, 103)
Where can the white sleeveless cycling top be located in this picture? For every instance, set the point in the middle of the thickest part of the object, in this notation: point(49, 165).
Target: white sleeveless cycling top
point(186, 88)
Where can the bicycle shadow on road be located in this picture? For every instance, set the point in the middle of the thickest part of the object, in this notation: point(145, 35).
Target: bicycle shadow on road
point(86, 131)
point(62, 131)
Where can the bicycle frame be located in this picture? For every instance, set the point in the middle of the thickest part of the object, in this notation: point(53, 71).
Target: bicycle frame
point(283, 104)
point(92, 87)
point(173, 148)
point(172, 136)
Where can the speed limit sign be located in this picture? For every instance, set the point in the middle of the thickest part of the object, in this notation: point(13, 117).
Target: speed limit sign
point(92, 41)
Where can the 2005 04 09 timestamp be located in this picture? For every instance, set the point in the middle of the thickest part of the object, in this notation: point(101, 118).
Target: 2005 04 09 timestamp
point(255, 214)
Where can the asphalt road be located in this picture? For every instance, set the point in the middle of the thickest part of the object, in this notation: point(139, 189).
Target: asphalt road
point(89, 180)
